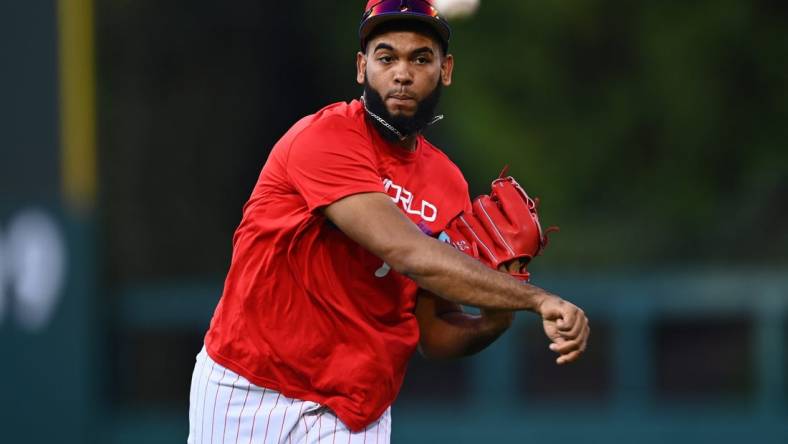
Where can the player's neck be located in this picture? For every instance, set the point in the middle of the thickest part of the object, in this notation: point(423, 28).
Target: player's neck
point(408, 143)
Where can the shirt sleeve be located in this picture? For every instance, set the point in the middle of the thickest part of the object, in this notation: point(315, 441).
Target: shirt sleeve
point(330, 160)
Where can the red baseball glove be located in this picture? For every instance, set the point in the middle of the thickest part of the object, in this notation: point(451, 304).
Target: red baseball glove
point(503, 228)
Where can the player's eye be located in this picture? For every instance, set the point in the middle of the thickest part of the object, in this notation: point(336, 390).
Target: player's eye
point(422, 60)
point(385, 59)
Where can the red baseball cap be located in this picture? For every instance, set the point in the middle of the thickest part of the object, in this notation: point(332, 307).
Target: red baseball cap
point(381, 11)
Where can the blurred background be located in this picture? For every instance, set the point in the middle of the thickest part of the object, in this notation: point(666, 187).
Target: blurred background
point(132, 132)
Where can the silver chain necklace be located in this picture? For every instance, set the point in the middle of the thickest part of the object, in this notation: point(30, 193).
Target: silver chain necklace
point(390, 127)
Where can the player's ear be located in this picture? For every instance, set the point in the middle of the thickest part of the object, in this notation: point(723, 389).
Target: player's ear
point(361, 67)
point(447, 68)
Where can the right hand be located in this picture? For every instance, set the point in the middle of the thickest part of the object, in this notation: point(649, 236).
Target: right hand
point(566, 326)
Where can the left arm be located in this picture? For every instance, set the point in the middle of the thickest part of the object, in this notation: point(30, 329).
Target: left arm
point(447, 332)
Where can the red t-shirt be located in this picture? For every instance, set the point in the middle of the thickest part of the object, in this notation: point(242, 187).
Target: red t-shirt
point(306, 310)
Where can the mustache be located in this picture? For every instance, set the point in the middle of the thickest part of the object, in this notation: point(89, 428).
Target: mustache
point(425, 111)
point(401, 94)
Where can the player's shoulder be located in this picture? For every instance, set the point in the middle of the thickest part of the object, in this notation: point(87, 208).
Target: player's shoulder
point(338, 123)
point(337, 117)
point(440, 161)
point(336, 130)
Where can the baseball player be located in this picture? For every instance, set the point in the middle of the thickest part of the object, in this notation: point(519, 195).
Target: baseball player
point(337, 272)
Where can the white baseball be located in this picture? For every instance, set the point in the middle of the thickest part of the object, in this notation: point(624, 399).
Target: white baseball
point(455, 9)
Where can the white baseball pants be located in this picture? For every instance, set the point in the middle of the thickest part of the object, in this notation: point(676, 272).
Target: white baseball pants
point(224, 407)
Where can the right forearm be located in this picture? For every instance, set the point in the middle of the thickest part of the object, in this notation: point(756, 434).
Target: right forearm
point(434, 265)
point(439, 268)
point(456, 277)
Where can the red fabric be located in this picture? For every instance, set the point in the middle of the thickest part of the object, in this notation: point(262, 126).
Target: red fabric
point(302, 310)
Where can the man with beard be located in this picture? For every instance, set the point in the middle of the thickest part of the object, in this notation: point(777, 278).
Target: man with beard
point(336, 274)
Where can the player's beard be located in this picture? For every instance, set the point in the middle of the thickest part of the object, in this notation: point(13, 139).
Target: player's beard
point(407, 126)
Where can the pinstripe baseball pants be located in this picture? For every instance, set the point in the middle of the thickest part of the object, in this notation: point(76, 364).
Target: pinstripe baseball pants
point(224, 407)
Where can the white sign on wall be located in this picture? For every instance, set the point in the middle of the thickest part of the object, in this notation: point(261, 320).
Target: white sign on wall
point(32, 269)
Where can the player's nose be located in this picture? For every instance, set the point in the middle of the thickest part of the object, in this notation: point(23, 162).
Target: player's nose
point(403, 74)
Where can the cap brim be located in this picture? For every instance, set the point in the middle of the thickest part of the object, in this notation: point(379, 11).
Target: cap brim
point(438, 25)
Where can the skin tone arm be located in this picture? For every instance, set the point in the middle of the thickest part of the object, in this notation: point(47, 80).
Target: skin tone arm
point(373, 221)
point(447, 331)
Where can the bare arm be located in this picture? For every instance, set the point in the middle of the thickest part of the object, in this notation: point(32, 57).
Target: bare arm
point(374, 221)
point(447, 332)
